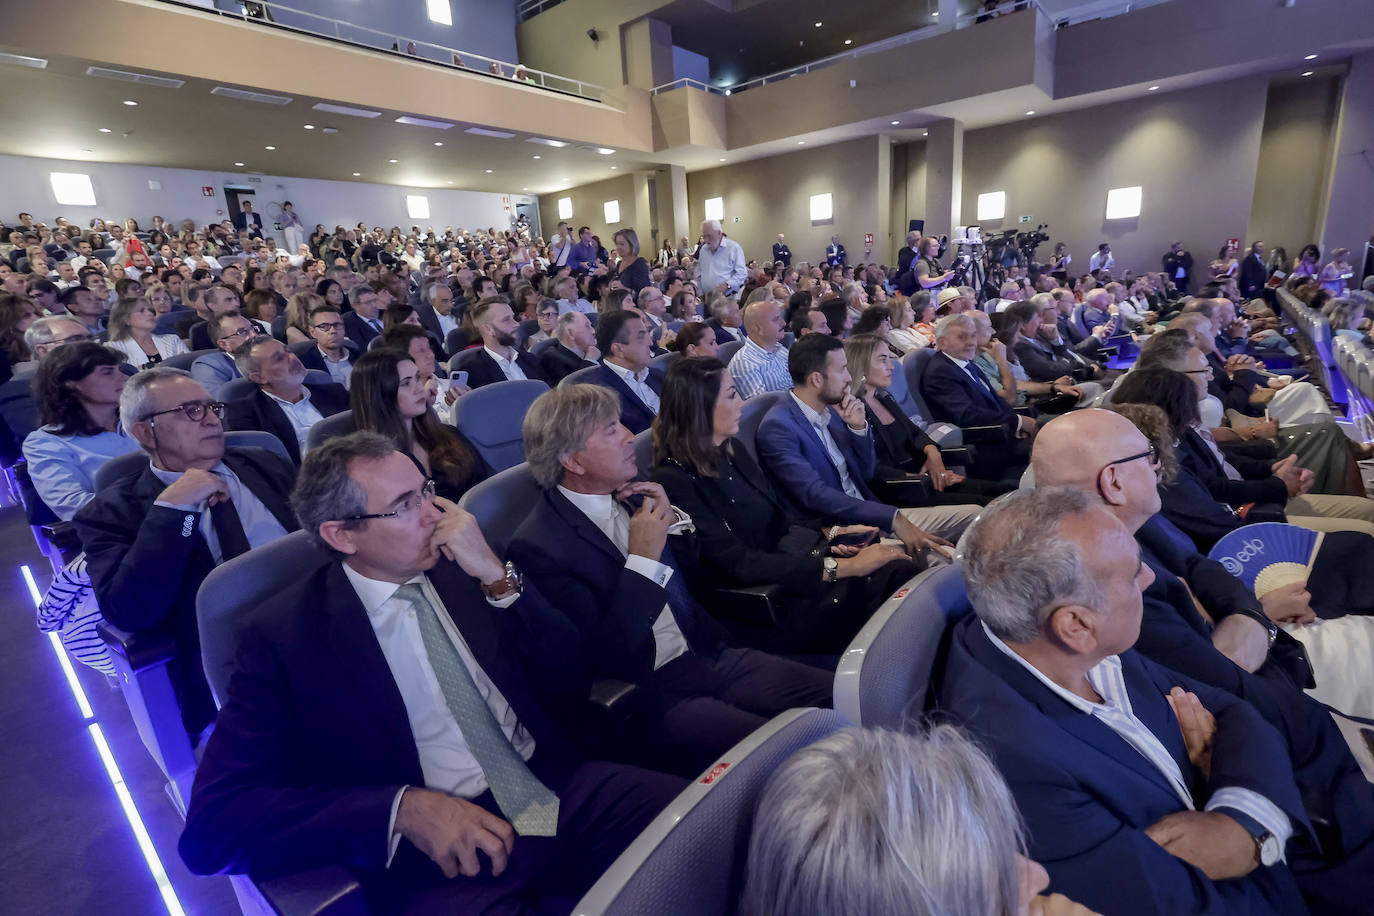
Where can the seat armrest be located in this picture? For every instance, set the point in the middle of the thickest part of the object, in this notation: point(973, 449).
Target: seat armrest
point(957, 456)
point(983, 434)
point(752, 603)
point(141, 650)
point(904, 491)
point(63, 536)
point(329, 891)
point(1106, 351)
point(1023, 411)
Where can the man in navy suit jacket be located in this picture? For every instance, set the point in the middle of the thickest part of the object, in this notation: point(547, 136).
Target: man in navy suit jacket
point(278, 405)
point(615, 576)
point(957, 393)
point(498, 359)
point(1253, 272)
point(247, 219)
point(623, 339)
point(824, 457)
point(365, 321)
point(338, 743)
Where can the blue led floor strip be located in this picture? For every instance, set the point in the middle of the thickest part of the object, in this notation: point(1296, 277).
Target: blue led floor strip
point(126, 800)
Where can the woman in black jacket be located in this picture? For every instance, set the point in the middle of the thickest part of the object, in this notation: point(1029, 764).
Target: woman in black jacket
point(825, 592)
point(633, 273)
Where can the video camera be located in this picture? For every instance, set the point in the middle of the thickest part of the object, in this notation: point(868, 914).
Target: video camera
point(1027, 242)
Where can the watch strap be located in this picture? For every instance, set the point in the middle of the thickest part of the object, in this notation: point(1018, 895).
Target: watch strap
point(1262, 619)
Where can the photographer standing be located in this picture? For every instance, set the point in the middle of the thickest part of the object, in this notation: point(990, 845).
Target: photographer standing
point(929, 274)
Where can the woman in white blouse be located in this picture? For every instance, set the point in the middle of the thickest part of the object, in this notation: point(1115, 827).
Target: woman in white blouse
point(904, 337)
point(131, 333)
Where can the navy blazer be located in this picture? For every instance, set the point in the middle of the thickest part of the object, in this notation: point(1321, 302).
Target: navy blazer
point(258, 411)
point(482, 369)
point(792, 451)
point(358, 330)
point(722, 336)
point(613, 607)
point(314, 741)
point(954, 397)
point(1087, 796)
point(1194, 454)
point(146, 562)
point(312, 358)
point(558, 362)
point(635, 415)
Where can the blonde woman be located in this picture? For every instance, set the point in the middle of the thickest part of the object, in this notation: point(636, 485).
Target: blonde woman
point(131, 333)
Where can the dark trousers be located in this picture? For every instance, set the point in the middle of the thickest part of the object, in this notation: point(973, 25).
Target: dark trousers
point(1342, 580)
point(602, 807)
point(707, 706)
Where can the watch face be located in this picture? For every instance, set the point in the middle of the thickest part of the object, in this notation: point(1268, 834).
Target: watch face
point(1270, 850)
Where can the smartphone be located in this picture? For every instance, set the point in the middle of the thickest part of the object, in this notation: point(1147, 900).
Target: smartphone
point(459, 378)
point(860, 540)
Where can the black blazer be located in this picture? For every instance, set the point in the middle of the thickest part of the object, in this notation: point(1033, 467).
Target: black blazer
point(312, 358)
point(1253, 274)
point(634, 413)
point(558, 362)
point(954, 397)
point(146, 562)
point(782, 253)
point(250, 221)
point(613, 607)
point(635, 275)
point(258, 411)
point(1045, 362)
point(722, 336)
point(358, 330)
point(482, 369)
point(1194, 454)
point(429, 320)
point(314, 741)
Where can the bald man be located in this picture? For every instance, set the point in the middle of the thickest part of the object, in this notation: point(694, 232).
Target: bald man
point(760, 365)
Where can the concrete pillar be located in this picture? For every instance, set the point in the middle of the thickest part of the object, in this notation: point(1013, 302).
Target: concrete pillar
point(674, 218)
point(944, 177)
point(949, 12)
point(642, 215)
point(648, 50)
point(1346, 218)
point(882, 225)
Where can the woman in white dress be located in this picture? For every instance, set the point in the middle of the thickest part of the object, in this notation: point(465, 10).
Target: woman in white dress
point(131, 333)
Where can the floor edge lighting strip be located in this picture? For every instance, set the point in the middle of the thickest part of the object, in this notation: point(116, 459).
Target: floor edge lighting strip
point(126, 799)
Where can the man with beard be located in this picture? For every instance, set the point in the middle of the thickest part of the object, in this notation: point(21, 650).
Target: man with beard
point(499, 360)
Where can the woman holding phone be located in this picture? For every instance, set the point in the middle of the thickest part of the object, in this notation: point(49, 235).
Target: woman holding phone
point(830, 578)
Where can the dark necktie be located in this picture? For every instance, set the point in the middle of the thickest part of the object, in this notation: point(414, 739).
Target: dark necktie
point(979, 381)
point(229, 530)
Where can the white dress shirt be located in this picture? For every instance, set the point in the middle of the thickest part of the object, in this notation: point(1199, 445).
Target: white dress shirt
point(260, 526)
point(821, 423)
point(301, 414)
point(447, 323)
point(614, 522)
point(638, 382)
point(578, 305)
point(509, 368)
point(1115, 712)
point(339, 369)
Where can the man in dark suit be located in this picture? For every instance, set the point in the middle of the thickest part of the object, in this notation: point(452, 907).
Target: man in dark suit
point(835, 254)
point(957, 393)
point(419, 664)
point(152, 538)
point(1178, 266)
point(623, 339)
point(816, 443)
point(365, 321)
point(1253, 272)
point(727, 321)
point(498, 359)
point(599, 542)
point(283, 405)
point(781, 253)
point(436, 311)
point(573, 348)
point(908, 255)
point(247, 219)
point(330, 351)
point(1182, 796)
point(1043, 352)
point(1089, 345)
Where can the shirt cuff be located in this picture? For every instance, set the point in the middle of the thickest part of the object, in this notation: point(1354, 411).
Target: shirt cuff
point(1256, 806)
point(857, 432)
point(179, 507)
point(504, 601)
point(652, 570)
point(393, 838)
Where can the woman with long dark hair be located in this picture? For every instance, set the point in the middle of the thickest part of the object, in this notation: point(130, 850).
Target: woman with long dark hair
point(388, 396)
point(744, 534)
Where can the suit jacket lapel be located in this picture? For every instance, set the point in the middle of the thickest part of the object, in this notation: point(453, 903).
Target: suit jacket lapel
point(582, 525)
point(275, 422)
point(258, 485)
point(839, 432)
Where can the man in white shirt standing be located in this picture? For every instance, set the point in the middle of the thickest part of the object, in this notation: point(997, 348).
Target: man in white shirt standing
point(1102, 259)
point(720, 261)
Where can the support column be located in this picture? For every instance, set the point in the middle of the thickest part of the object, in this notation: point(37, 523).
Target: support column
point(1346, 217)
point(882, 226)
point(944, 177)
point(642, 214)
point(676, 219)
point(949, 12)
point(648, 50)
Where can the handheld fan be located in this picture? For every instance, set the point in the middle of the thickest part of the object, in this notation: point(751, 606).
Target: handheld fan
point(1268, 555)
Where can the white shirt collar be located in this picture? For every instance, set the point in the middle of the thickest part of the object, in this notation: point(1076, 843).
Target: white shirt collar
point(374, 592)
point(961, 363)
point(498, 357)
point(640, 377)
point(819, 420)
point(171, 477)
point(599, 507)
point(305, 398)
point(1073, 699)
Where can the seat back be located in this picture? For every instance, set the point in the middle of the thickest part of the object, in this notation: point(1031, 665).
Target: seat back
point(522, 333)
point(666, 361)
point(644, 452)
point(120, 467)
point(489, 417)
point(462, 361)
point(256, 438)
point(690, 860)
point(241, 586)
point(1078, 321)
point(455, 341)
point(913, 367)
point(341, 424)
point(317, 377)
point(751, 415)
point(901, 393)
point(580, 376)
point(501, 502)
point(884, 677)
point(727, 351)
point(184, 360)
point(18, 407)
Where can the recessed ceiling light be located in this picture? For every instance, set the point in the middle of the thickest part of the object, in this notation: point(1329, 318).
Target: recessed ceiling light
point(357, 174)
point(727, 92)
point(895, 123)
point(801, 142)
point(935, 15)
point(130, 102)
point(722, 158)
point(925, 133)
point(450, 182)
point(489, 171)
point(524, 189)
point(1308, 73)
point(604, 150)
point(239, 164)
point(438, 142)
point(1031, 112)
point(393, 161)
point(424, 122)
point(104, 130)
point(562, 179)
point(269, 147)
point(849, 41)
point(1310, 57)
point(819, 24)
point(545, 141)
point(536, 156)
point(1152, 89)
point(329, 130)
point(309, 126)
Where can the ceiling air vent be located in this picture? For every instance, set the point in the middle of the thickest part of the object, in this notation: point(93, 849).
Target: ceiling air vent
point(128, 76)
point(243, 95)
point(36, 63)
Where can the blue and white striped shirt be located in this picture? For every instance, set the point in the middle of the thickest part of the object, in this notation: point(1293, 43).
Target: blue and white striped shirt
point(1115, 712)
point(757, 371)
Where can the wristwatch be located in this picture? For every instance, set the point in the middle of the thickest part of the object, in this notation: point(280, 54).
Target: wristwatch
point(1259, 617)
point(1268, 850)
point(512, 582)
point(832, 569)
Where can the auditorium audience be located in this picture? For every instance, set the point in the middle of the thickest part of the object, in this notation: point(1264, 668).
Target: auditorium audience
point(363, 323)
point(283, 404)
point(228, 330)
point(131, 333)
point(726, 319)
point(696, 339)
point(546, 314)
point(333, 352)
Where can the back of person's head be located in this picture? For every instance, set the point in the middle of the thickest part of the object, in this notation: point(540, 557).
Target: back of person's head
point(615, 300)
point(401, 336)
point(1170, 391)
point(396, 313)
point(801, 299)
point(559, 423)
point(834, 309)
point(1202, 305)
point(54, 386)
point(44, 331)
point(684, 427)
point(871, 821)
point(1166, 349)
point(809, 354)
point(872, 319)
point(612, 328)
point(325, 491)
point(1018, 314)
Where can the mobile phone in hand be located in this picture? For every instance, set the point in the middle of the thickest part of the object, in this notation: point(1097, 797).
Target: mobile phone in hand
point(861, 539)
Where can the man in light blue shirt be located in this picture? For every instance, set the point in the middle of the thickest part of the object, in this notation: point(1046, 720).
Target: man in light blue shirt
point(760, 365)
point(720, 261)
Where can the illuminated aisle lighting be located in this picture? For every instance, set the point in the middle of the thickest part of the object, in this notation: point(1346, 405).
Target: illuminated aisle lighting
point(126, 801)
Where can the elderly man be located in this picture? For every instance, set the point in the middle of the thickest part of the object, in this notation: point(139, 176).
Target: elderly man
point(568, 301)
point(574, 347)
point(720, 262)
point(47, 334)
point(365, 321)
point(781, 253)
point(760, 365)
point(499, 359)
point(908, 255)
point(1143, 791)
point(152, 538)
point(1043, 353)
point(428, 667)
point(653, 305)
point(599, 541)
point(436, 310)
point(726, 320)
point(835, 254)
point(226, 330)
point(1088, 344)
point(283, 405)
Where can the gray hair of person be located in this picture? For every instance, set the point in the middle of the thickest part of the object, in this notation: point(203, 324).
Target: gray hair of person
point(876, 821)
point(948, 321)
point(356, 294)
point(720, 305)
point(1201, 306)
point(1190, 322)
point(851, 289)
point(133, 400)
point(565, 323)
point(1168, 349)
point(431, 291)
point(1043, 301)
point(1017, 565)
point(243, 353)
point(560, 422)
point(44, 330)
point(713, 224)
point(1097, 295)
point(1009, 288)
point(325, 491)
point(631, 238)
point(645, 294)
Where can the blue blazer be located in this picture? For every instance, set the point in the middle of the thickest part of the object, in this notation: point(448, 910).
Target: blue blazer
point(793, 453)
point(1087, 796)
point(954, 397)
point(634, 413)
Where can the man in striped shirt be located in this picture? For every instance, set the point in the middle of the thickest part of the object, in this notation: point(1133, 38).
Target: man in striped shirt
point(760, 365)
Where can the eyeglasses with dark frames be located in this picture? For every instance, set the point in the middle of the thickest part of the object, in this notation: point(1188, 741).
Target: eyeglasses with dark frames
point(1206, 371)
point(241, 332)
point(1150, 453)
point(329, 326)
point(192, 410)
point(409, 506)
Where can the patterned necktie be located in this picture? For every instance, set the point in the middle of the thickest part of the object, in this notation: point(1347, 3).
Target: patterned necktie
point(526, 802)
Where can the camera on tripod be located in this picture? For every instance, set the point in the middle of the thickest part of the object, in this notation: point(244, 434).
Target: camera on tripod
point(1027, 242)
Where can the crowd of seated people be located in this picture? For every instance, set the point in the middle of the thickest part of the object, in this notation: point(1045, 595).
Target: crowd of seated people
point(1107, 657)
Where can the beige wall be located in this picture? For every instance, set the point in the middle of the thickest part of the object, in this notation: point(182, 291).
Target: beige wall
point(773, 195)
point(1194, 152)
point(1294, 151)
point(556, 39)
point(908, 192)
point(588, 209)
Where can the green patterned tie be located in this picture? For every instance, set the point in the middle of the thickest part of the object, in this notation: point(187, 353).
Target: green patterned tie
point(525, 801)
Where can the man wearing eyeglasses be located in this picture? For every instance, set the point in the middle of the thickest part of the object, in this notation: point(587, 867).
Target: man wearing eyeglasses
point(46, 335)
point(333, 351)
point(227, 331)
point(153, 537)
point(283, 405)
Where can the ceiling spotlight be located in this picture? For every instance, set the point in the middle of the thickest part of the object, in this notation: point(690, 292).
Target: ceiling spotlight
point(895, 123)
point(819, 24)
point(727, 92)
point(489, 170)
point(801, 142)
point(722, 158)
point(393, 161)
point(130, 102)
point(357, 174)
point(1308, 73)
point(1152, 89)
point(1031, 112)
point(1310, 57)
point(450, 182)
point(330, 130)
point(925, 133)
point(438, 142)
point(269, 147)
point(309, 126)
point(848, 41)
point(935, 15)
point(239, 164)
point(524, 189)
point(104, 130)
point(536, 156)
point(605, 150)
point(614, 167)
